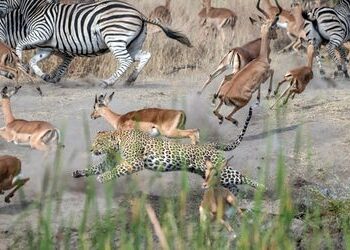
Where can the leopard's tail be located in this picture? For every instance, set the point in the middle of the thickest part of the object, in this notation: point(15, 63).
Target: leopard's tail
point(235, 143)
point(252, 183)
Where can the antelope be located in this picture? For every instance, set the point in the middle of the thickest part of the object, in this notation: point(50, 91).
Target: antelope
point(39, 135)
point(162, 14)
point(9, 57)
point(292, 21)
point(298, 78)
point(217, 201)
point(167, 122)
point(10, 175)
point(237, 57)
point(219, 18)
point(237, 90)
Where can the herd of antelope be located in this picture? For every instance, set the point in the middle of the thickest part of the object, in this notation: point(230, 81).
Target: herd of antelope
point(251, 64)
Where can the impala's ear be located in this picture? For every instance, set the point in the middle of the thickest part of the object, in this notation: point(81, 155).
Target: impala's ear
point(252, 20)
point(95, 99)
point(110, 97)
point(100, 98)
point(4, 91)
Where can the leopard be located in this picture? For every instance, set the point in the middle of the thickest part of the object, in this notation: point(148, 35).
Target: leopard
point(138, 151)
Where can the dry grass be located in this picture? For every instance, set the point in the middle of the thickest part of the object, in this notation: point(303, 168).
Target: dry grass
point(168, 54)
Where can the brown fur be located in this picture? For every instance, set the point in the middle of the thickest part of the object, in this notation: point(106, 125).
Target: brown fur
point(10, 168)
point(237, 57)
point(237, 90)
point(216, 199)
point(32, 133)
point(9, 63)
point(294, 20)
point(298, 78)
point(218, 19)
point(162, 14)
point(168, 122)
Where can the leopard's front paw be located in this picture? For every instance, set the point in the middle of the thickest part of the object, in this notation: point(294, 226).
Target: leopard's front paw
point(78, 174)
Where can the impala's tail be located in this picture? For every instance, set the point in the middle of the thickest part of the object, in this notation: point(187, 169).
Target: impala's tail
point(235, 143)
point(52, 136)
point(169, 32)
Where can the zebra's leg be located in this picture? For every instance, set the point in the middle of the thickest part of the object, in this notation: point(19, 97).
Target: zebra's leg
point(319, 63)
point(123, 57)
point(136, 53)
point(33, 39)
point(143, 58)
point(342, 52)
point(331, 47)
point(40, 55)
point(60, 71)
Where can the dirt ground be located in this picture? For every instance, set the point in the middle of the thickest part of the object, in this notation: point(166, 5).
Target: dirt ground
point(320, 118)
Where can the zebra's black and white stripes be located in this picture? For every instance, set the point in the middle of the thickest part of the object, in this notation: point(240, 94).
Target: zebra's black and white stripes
point(88, 30)
point(330, 26)
point(13, 29)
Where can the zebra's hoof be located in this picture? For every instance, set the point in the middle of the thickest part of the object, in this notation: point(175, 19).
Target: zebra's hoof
point(131, 80)
point(48, 78)
point(105, 84)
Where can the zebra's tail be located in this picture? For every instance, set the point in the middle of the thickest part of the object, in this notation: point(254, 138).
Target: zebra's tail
point(235, 143)
point(170, 33)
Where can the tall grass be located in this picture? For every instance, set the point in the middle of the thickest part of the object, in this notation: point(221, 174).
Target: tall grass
point(130, 227)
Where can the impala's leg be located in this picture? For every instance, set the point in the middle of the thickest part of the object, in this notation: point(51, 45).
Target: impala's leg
point(293, 95)
point(283, 94)
point(227, 225)
point(193, 134)
point(270, 84)
point(37, 143)
point(18, 184)
point(229, 116)
point(212, 76)
point(216, 112)
point(279, 85)
point(287, 98)
point(39, 56)
point(258, 96)
point(215, 96)
point(124, 168)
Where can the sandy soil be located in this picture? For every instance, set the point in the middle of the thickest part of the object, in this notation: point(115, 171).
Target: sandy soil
point(318, 120)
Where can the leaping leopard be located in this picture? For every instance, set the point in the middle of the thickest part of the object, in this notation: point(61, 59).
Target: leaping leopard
point(139, 151)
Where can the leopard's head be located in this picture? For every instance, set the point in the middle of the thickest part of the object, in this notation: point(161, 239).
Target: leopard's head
point(104, 143)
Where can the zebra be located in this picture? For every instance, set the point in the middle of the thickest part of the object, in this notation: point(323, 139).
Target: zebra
point(13, 29)
point(87, 30)
point(332, 27)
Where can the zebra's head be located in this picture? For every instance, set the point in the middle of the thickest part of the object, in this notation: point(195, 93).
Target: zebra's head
point(8, 5)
